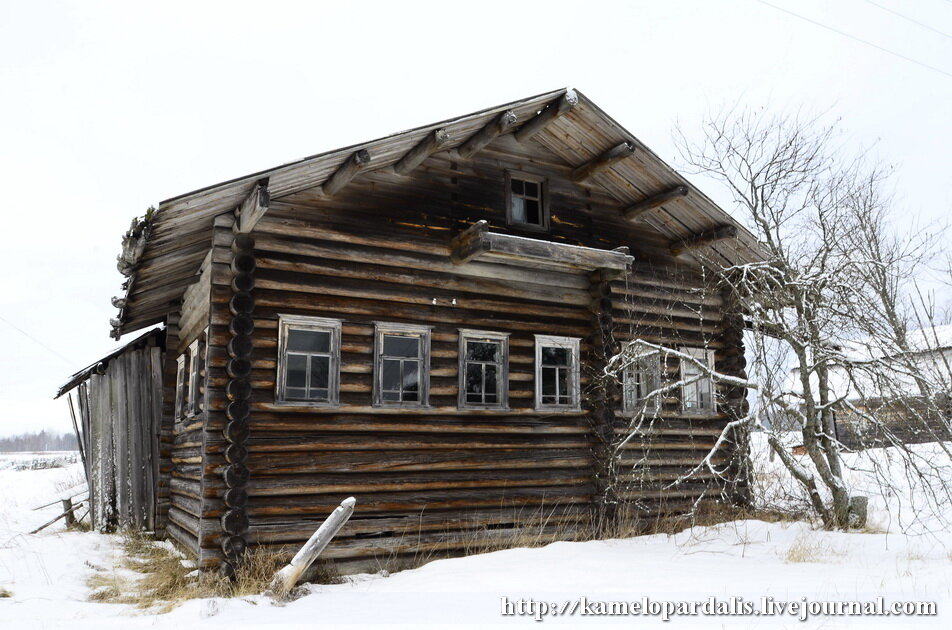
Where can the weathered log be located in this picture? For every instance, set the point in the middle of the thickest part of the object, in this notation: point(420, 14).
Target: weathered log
point(346, 172)
point(604, 161)
point(564, 104)
point(635, 212)
point(424, 149)
point(492, 130)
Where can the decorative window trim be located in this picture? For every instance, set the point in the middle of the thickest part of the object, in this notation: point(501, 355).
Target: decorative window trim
point(544, 206)
point(407, 330)
point(180, 384)
point(703, 355)
point(573, 344)
point(193, 403)
point(651, 368)
point(319, 324)
point(465, 335)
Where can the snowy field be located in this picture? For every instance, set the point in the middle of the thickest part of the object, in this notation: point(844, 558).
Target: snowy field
point(45, 575)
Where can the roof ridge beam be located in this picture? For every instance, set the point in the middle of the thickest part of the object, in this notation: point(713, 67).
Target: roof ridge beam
point(347, 171)
point(553, 110)
point(424, 149)
point(604, 161)
point(501, 124)
point(707, 237)
point(636, 211)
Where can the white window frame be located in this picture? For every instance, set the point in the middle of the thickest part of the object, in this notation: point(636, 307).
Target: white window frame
point(192, 404)
point(650, 368)
point(573, 344)
point(318, 324)
point(502, 389)
point(180, 374)
point(382, 329)
point(704, 356)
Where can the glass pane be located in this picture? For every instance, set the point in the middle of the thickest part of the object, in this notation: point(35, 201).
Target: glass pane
point(390, 377)
point(297, 370)
point(518, 209)
point(548, 400)
point(491, 399)
point(491, 379)
point(474, 378)
point(563, 382)
point(548, 381)
point(532, 189)
point(391, 396)
point(319, 394)
point(553, 355)
point(295, 392)
point(532, 212)
point(704, 394)
point(320, 372)
point(474, 398)
point(690, 396)
point(411, 396)
point(309, 341)
point(518, 187)
point(411, 376)
point(482, 351)
point(399, 346)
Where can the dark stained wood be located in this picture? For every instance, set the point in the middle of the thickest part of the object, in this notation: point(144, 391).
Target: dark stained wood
point(637, 211)
point(703, 239)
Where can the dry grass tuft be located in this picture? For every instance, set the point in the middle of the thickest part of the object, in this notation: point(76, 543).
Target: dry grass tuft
point(810, 547)
point(5, 593)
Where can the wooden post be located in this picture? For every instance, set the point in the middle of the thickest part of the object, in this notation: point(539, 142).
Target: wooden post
point(285, 579)
point(68, 511)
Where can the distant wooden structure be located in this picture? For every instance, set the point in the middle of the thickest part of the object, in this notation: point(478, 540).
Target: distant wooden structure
point(420, 321)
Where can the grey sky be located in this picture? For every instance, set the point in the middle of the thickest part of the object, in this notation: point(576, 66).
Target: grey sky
point(106, 108)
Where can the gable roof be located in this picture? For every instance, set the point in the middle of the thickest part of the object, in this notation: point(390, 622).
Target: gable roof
point(178, 236)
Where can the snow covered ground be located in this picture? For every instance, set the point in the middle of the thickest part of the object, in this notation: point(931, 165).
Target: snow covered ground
point(46, 575)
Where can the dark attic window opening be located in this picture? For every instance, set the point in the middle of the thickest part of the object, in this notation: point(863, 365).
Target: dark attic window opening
point(526, 201)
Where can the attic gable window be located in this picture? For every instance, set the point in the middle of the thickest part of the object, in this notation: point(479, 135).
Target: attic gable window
point(308, 360)
point(557, 373)
point(526, 203)
point(401, 365)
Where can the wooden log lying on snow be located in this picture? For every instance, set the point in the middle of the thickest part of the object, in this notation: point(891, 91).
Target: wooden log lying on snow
point(285, 579)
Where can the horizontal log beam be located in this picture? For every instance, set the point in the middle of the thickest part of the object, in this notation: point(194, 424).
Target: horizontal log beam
point(701, 239)
point(635, 212)
point(346, 172)
point(555, 109)
point(424, 149)
point(254, 207)
point(469, 243)
point(603, 161)
point(492, 130)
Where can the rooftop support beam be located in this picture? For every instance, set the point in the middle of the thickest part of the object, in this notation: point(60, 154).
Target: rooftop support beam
point(346, 172)
point(701, 239)
point(495, 128)
point(424, 149)
point(603, 161)
point(555, 109)
point(254, 207)
point(635, 212)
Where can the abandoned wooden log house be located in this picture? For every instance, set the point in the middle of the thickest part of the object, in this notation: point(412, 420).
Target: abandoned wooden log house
point(420, 321)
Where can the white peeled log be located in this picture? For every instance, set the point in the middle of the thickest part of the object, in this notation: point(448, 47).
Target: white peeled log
point(285, 579)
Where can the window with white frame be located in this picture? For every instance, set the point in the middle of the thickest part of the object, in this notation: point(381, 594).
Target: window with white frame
point(483, 369)
point(557, 373)
point(196, 351)
point(401, 365)
point(180, 385)
point(308, 360)
point(697, 391)
point(640, 378)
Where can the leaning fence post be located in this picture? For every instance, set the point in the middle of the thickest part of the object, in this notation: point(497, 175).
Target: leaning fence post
point(285, 579)
point(68, 511)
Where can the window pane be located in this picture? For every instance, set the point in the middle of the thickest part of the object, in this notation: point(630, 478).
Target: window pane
point(320, 372)
point(517, 186)
point(295, 393)
point(518, 209)
point(532, 212)
point(319, 394)
point(474, 398)
point(391, 396)
point(411, 376)
point(474, 378)
point(390, 377)
point(532, 189)
point(563, 374)
point(552, 355)
point(400, 346)
point(411, 396)
point(482, 351)
point(548, 381)
point(309, 341)
point(491, 399)
point(297, 370)
point(490, 381)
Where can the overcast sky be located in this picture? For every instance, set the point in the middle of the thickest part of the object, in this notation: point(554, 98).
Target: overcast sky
point(106, 108)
